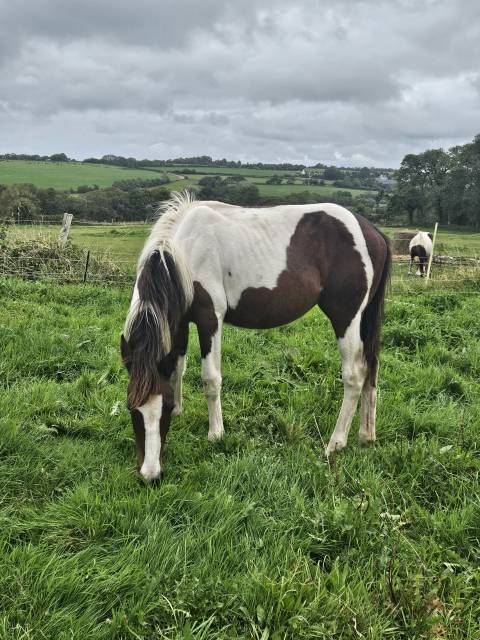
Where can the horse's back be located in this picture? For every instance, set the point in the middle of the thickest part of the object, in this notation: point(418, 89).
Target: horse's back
point(421, 239)
point(268, 266)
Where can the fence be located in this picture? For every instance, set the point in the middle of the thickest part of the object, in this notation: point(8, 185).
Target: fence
point(106, 253)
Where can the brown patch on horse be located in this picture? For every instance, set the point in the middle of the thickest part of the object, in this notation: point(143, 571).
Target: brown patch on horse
point(323, 267)
point(139, 430)
point(380, 254)
point(203, 315)
point(167, 407)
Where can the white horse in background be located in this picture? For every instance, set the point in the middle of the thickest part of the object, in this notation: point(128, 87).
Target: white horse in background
point(420, 247)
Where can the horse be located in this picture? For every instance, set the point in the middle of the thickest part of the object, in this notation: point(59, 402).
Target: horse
point(420, 247)
point(210, 263)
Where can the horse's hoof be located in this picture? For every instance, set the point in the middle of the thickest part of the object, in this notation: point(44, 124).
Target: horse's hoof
point(365, 441)
point(214, 436)
point(334, 447)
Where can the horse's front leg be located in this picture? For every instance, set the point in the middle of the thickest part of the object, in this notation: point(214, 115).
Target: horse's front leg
point(180, 366)
point(211, 350)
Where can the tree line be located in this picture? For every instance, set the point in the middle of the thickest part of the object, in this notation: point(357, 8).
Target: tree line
point(439, 185)
point(22, 202)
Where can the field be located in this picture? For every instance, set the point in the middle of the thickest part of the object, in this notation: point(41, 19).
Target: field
point(323, 191)
point(257, 536)
point(230, 171)
point(66, 175)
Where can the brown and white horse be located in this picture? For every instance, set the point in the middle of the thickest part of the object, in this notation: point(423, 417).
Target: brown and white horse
point(420, 247)
point(210, 263)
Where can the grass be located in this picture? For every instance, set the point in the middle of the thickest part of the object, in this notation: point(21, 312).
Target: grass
point(231, 171)
point(323, 191)
point(256, 536)
point(65, 175)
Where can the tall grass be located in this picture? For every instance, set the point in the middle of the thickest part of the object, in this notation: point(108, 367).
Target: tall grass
point(256, 536)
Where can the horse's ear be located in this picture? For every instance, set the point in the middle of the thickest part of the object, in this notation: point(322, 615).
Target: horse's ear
point(430, 235)
point(125, 349)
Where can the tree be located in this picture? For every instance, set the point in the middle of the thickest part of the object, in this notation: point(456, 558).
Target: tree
point(59, 157)
point(274, 180)
point(19, 201)
point(332, 173)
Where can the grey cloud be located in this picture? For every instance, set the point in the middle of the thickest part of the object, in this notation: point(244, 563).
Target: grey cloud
point(357, 81)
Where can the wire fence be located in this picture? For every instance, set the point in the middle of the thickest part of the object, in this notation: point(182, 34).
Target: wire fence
point(106, 253)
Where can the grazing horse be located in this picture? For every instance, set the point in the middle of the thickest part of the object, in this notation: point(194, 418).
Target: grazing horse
point(210, 263)
point(420, 247)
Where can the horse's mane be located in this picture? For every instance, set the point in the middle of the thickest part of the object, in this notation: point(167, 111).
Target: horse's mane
point(163, 294)
point(168, 216)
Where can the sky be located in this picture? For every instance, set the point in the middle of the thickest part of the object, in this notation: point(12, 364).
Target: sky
point(349, 82)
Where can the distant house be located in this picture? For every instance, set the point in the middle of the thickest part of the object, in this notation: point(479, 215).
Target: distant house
point(386, 182)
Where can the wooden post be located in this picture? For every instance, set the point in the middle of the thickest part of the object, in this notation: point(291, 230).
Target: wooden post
point(86, 266)
point(65, 230)
point(430, 259)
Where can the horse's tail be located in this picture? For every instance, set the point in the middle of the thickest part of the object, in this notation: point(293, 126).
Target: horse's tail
point(372, 318)
point(164, 292)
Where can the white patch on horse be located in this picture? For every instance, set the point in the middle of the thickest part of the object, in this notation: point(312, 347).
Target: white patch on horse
point(133, 311)
point(212, 384)
point(177, 378)
point(152, 412)
point(422, 239)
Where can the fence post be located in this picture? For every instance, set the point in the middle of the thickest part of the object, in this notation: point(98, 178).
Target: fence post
point(430, 259)
point(86, 266)
point(65, 230)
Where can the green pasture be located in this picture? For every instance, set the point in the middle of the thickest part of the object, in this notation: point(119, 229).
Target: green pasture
point(258, 536)
point(323, 191)
point(65, 175)
point(231, 171)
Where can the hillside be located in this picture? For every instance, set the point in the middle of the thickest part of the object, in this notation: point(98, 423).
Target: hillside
point(65, 175)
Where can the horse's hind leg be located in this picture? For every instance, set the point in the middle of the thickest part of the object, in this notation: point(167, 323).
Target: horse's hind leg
point(366, 434)
point(354, 371)
point(423, 262)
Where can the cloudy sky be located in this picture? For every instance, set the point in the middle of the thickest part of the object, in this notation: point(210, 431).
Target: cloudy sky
point(350, 82)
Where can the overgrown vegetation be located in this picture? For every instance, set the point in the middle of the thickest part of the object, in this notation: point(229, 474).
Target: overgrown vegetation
point(41, 257)
point(257, 536)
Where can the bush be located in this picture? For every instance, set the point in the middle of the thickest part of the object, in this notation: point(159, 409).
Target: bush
point(37, 258)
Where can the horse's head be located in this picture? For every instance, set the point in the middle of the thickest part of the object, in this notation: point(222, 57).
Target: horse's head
point(150, 402)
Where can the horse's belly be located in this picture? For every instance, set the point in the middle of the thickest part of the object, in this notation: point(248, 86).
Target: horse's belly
point(263, 308)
